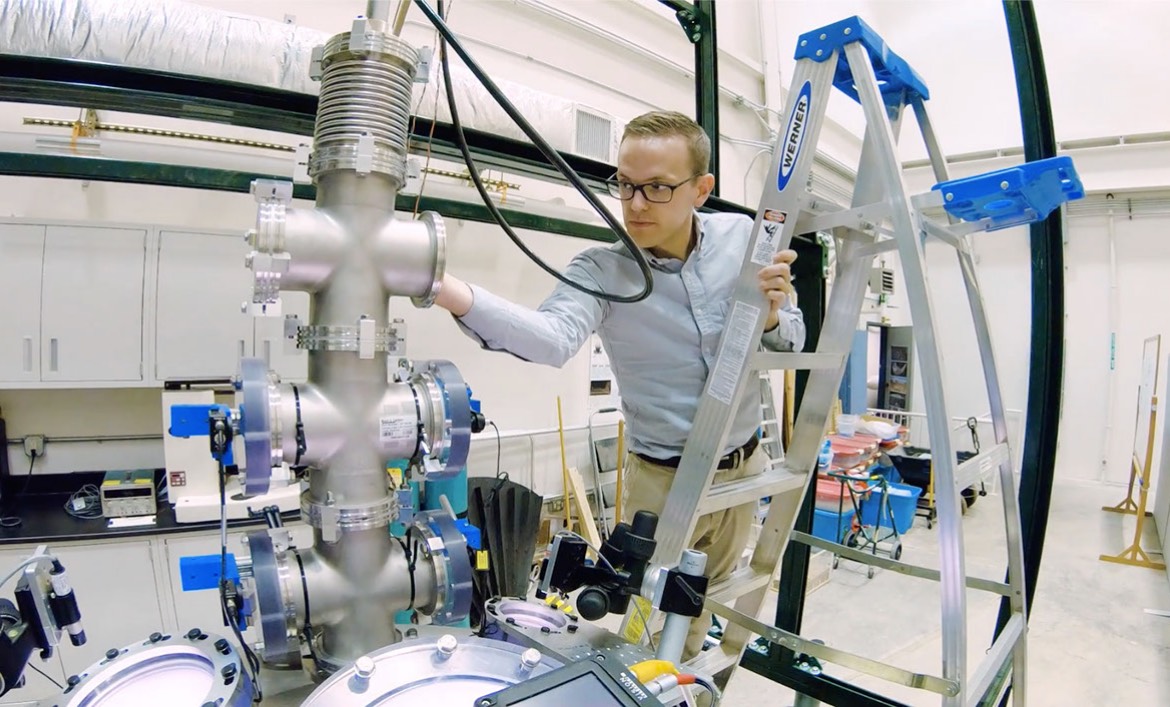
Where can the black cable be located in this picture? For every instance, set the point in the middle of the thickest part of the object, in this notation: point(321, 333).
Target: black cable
point(59, 685)
point(410, 564)
point(308, 612)
point(446, 36)
point(15, 521)
point(498, 446)
point(228, 616)
point(302, 447)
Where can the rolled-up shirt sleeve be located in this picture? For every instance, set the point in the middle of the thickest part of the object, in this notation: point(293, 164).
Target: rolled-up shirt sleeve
point(552, 333)
point(789, 332)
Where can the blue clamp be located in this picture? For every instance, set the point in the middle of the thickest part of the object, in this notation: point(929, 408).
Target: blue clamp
point(470, 533)
point(895, 77)
point(198, 572)
point(194, 421)
point(1013, 196)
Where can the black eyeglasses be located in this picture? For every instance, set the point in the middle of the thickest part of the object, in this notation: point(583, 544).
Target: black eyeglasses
point(654, 192)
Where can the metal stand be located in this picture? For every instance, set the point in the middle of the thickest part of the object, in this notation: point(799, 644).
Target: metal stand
point(881, 218)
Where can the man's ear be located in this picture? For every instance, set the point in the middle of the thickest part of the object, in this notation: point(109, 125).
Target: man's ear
point(706, 184)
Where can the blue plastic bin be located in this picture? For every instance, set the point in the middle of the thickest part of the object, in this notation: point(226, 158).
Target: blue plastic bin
point(827, 525)
point(903, 504)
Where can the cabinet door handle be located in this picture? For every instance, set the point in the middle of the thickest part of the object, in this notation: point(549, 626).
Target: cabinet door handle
point(268, 351)
point(28, 354)
point(53, 354)
point(241, 348)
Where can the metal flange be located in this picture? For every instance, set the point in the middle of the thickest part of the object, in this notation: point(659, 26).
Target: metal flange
point(446, 547)
point(259, 423)
point(334, 521)
point(278, 621)
point(446, 415)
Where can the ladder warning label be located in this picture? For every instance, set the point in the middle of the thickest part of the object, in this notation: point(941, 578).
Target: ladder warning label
point(737, 342)
point(397, 428)
point(766, 242)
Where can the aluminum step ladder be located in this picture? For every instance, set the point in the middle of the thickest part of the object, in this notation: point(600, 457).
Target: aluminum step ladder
point(882, 217)
point(772, 439)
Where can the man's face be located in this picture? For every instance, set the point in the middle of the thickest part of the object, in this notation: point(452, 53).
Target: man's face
point(664, 161)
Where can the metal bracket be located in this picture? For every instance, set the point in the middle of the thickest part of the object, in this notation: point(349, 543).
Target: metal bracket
point(365, 338)
point(364, 156)
point(690, 23)
point(422, 71)
point(316, 59)
point(357, 35)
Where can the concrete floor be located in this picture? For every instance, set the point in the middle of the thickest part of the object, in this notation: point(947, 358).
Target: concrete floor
point(1090, 640)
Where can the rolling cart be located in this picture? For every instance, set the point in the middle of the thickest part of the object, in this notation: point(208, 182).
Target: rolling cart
point(876, 537)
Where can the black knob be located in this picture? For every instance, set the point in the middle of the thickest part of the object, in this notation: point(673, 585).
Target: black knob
point(194, 633)
point(222, 646)
point(155, 637)
point(228, 670)
point(73, 680)
point(112, 653)
point(645, 524)
point(592, 603)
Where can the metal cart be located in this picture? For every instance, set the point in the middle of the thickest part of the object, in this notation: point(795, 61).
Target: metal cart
point(876, 538)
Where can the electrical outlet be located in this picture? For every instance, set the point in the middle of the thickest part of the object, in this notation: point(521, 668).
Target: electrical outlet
point(34, 444)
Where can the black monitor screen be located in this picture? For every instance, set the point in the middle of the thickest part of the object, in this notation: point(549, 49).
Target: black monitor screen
point(582, 691)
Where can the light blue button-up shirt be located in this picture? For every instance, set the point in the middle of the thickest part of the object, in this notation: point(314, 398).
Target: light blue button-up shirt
point(660, 349)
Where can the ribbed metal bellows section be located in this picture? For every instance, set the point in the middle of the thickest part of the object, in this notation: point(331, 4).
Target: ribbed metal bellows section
point(364, 105)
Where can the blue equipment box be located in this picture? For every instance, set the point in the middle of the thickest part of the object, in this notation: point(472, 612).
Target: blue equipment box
point(903, 506)
point(827, 525)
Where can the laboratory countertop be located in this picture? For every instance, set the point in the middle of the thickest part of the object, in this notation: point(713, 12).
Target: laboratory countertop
point(40, 510)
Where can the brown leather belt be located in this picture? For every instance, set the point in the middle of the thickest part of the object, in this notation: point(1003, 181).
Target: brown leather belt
point(730, 461)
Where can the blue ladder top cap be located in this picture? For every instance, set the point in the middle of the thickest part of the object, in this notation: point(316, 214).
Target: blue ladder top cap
point(1013, 196)
point(894, 75)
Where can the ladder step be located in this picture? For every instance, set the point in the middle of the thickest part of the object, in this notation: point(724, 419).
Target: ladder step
point(771, 360)
point(712, 662)
point(1013, 196)
point(739, 583)
point(736, 493)
point(967, 473)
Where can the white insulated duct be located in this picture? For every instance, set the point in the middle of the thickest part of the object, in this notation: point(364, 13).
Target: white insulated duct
point(182, 38)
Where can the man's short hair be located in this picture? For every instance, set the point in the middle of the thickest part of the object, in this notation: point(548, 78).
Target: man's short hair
point(667, 123)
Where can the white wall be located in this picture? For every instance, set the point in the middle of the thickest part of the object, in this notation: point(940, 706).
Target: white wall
point(1097, 56)
point(601, 63)
point(959, 48)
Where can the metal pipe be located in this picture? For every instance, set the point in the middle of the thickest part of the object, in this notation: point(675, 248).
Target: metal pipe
point(1114, 316)
point(379, 10)
point(400, 17)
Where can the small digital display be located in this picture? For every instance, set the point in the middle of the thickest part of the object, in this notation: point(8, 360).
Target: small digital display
point(128, 492)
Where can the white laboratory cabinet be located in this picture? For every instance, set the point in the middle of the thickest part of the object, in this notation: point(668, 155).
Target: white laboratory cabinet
point(91, 304)
point(22, 250)
point(85, 306)
point(200, 330)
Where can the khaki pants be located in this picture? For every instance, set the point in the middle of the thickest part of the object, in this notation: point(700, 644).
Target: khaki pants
point(722, 535)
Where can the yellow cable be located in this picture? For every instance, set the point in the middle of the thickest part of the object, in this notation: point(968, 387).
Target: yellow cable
point(647, 670)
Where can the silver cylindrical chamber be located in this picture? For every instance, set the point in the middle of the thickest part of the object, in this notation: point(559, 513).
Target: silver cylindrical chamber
point(412, 256)
point(364, 106)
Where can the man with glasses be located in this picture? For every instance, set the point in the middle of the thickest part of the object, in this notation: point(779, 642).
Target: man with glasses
point(662, 348)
